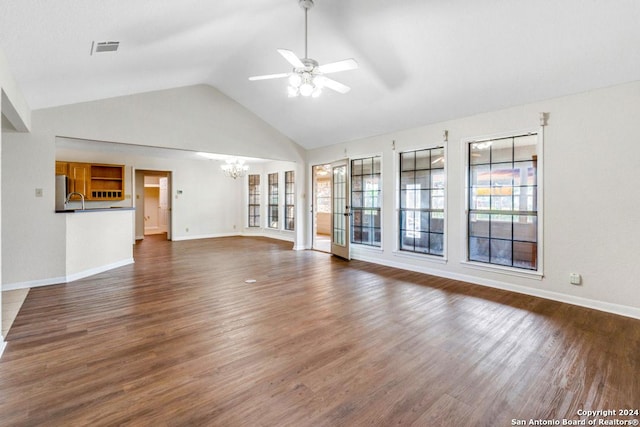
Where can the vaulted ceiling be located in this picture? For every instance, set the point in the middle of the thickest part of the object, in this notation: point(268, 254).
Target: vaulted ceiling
point(421, 61)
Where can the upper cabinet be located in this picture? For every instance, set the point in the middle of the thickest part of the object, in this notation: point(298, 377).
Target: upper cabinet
point(95, 181)
point(107, 182)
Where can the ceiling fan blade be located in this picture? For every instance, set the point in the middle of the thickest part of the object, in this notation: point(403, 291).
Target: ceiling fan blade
point(337, 86)
point(334, 67)
point(269, 76)
point(291, 58)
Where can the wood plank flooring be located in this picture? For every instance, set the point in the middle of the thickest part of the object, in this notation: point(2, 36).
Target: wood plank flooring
point(180, 339)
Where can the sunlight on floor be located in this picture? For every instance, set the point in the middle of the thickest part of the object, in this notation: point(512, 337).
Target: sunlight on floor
point(11, 303)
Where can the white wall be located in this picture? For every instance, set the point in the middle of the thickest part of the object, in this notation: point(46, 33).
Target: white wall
point(591, 174)
point(196, 118)
point(14, 114)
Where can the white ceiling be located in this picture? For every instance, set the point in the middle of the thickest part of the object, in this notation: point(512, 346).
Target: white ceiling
point(421, 61)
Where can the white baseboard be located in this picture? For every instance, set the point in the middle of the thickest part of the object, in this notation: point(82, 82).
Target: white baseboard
point(241, 234)
point(65, 279)
point(93, 271)
point(204, 236)
point(622, 310)
point(3, 344)
point(34, 283)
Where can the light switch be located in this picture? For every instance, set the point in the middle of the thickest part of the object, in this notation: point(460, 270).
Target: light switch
point(39, 192)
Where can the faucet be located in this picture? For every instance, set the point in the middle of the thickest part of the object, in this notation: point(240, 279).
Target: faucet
point(66, 201)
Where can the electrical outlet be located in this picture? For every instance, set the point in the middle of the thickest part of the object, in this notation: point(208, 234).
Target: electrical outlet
point(39, 192)
point(575, 279)
point(186, 229)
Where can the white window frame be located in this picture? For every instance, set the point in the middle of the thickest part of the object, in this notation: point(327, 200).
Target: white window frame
point(439, 259)
point(381, 198)
point(514, 271)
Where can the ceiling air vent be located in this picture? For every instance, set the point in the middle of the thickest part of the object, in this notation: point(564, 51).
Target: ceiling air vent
point(104, 47)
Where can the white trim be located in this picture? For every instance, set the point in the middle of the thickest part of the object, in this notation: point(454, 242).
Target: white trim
point(205, 236)
point(3, 345)
point(502, 269)
point(420, 256)
point(34, 283)
point(97, 270)
point(622, 310)
point(68, 278)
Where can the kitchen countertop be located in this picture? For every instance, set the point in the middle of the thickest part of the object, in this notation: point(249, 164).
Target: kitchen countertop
point(113, 208)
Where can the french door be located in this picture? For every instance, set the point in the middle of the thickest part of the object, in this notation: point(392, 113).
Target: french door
point(340, 209)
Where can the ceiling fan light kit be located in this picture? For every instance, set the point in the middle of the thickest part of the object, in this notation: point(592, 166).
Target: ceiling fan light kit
point(308, 77)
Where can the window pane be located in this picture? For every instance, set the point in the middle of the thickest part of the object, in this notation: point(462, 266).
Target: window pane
point(436, 243)
point(367, 166)
point(502, 151)
point(479, 153)
point(480, 176)
point(423, 159)
point(422, 242)
point(437, 178)
point(356, 199)
point(437, 158)
point(501, 252)
point(525, 255)
point(502, 175)
point(525, 147)
point(501, 227)
point(524, 173)
point(407, 161)
point(407, 180)
point(376, 165)
point(356, 167)
point(423, 178)
point(437, 222)
point(525, 228)
point(424, 199)
point(479, 225)
point(478, 249)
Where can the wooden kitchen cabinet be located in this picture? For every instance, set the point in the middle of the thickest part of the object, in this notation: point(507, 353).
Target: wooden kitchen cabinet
point(62, 168)
point(95, 181)
point(106, 182)
point(79, 179)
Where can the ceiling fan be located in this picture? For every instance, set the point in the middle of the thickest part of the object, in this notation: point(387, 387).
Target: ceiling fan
point(308, 77)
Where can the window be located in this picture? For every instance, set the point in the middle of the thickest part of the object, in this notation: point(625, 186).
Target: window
point(365, 201)
point(422, 184)
point(289, 200)
point(254, 200)
point(273, 200)
point(503, 201)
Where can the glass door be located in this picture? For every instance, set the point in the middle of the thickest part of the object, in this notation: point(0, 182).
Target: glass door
point(340, 209)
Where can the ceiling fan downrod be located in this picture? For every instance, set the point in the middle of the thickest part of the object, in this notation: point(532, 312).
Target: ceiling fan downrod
point(306, 5)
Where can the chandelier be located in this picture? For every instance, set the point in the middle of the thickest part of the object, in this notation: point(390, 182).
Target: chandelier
point(234, 168)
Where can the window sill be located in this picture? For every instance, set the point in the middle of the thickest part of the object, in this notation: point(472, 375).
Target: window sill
point(422, 257)
point(369, 248)
point(509, 271)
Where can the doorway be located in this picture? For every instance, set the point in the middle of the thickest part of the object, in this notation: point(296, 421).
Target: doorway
point(331, 208)
point(322, 208)
point(153, 203)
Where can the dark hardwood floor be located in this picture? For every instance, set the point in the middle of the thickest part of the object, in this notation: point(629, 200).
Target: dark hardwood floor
point(180, 339)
